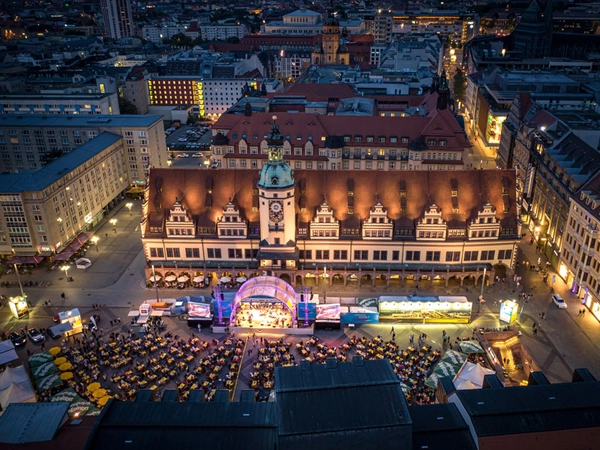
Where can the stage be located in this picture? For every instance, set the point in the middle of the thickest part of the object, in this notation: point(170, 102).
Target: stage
point(304, 331)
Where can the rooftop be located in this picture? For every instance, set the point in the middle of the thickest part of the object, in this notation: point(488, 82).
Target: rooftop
point(61, 120)
point(36, 180)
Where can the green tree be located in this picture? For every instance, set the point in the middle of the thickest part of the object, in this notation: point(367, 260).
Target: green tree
point(126, 107)
point(459, 86)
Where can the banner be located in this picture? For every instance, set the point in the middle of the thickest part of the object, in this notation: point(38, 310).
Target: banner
point(359, 318)
point(225, 307)
point(199, 310)
point(328, 312)
point(312, 311)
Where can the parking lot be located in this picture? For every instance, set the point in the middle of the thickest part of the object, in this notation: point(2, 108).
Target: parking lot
point(188, 141)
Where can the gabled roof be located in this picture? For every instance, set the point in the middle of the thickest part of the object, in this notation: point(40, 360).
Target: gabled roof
point(421, 187)
point(346, 397)
point(187, 425)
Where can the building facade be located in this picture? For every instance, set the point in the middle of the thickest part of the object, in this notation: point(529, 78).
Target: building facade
point(363, 227)
point(59, 104)
point(118, 18)
point(322, 142)
point(41, 211)
point(29, 141)
point(212, 96)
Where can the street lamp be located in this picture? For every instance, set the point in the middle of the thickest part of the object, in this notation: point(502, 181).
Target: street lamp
point(129, 206)
point(114, 224)
point(95, 240)
point(65, 269)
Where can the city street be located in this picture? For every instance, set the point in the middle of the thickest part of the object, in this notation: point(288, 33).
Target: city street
point(116, 281)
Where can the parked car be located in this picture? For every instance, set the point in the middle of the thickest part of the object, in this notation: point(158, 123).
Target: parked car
point(559, 301)
point(182, 139)
point(17, 339)
point(35, 335)
point(197, 155)
point(183, 155)
point(94, 322)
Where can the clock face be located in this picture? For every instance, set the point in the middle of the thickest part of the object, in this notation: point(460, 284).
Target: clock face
point(276, 211)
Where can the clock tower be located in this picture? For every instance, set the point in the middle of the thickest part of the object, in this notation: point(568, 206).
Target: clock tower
point(277, 207)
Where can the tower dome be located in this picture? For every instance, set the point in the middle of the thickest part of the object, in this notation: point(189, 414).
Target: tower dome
point(276, 173)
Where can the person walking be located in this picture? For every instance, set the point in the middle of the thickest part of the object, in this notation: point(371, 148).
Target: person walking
point(392, 330)
point(583, 312)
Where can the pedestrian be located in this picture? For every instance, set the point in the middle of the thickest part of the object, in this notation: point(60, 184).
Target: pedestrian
point(46, 302)
point(393, 336)
point(579, 313)
point(106, 234)
point(118, 319)
point(28, 352)
point(583, 312)
point(62, 295)
point(199, 328)
point(392, 330)
point(111, 323)
point(49, 303)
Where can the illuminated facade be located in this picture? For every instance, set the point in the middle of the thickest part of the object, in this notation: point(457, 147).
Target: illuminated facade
point(41, 211)
point(212, 97)
point(387, 226)
point(461, 27)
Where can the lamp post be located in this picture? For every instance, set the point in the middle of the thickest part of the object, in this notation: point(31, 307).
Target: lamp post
point(129, 205)
point(95, 240)
point(65, 269)
point(114, 224)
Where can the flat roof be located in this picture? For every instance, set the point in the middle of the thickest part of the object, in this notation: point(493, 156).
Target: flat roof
point(36, 180)
point(440, 426)
point(54, 96)
point(76, 120)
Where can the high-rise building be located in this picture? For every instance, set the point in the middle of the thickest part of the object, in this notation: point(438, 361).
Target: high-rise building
point(118, 19)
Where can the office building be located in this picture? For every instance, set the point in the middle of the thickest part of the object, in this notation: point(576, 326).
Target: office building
point(118, 18)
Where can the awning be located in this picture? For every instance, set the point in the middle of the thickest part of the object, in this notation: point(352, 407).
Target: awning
point(85, 236)
point(18, 260)
point(142, 320)
point(275, 255)
point(133, 313)
point(156, 313)
point(135, 190)
point(65, 255)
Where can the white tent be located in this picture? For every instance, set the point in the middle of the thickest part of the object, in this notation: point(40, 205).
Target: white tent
point(7, 352)
point(471, 376)
point(15, 387)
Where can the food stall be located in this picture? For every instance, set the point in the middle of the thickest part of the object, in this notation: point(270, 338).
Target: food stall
point(18, 306)
point(509, 310)
point(72, 317)
point(425, 309)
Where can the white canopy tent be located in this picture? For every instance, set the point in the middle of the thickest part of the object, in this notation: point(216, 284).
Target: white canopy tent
point(15, 387)
point(471, 376)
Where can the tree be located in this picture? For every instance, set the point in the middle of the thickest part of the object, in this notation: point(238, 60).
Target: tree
point(459, 86)
point(126, 107)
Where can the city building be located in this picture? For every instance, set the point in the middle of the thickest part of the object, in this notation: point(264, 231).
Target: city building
point(385, 225)
point(330, 51)
point(459, 27)
point(210, 97)
point(580, 252)
point(222, 32)
point(532, 37)
point(118, 18)
point(156, 34)
point(43, 210)
point(433, 140)
point(490, 94)
point(23, 103)
point(28, 141)
point(306, 22)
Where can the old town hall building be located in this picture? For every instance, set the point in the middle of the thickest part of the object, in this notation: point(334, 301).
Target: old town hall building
point(361, 227)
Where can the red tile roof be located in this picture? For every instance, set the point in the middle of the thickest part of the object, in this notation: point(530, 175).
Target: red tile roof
point(474, 188)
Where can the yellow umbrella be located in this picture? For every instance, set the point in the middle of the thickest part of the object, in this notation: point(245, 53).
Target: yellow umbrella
point(54, 351)
point(93, 386)
point(59, 361)
point(65, 366)
point(99, 393)
point(103, 400)
point(66, 376)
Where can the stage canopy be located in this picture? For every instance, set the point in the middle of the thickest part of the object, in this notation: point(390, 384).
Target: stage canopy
point(266, 289)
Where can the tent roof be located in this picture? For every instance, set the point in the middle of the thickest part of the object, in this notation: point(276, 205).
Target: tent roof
point(13, 375)
point(31, 422)
point(471, 376)
point(17, 393)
